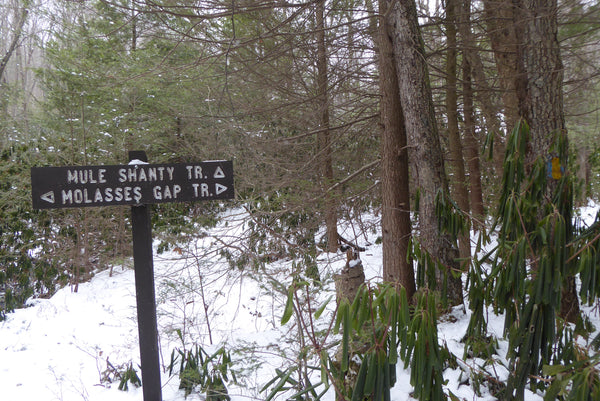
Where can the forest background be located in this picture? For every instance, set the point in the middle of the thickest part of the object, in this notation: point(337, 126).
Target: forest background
point(328, 109)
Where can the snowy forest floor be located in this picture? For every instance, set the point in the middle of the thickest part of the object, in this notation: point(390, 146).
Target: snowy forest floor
point(69, 347)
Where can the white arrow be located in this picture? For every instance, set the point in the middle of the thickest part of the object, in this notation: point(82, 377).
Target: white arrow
point(219, 189)
point(48, 197)
point(219, 173)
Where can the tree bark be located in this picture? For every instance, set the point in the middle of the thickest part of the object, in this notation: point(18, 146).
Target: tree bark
point(542, 105)
point(22, 17)
point(395, 196)
point(471, 140)
point(501, 29)
point(424, 142)
point(457, 161)
point(483, 92)
point(472, 148)
point(323, 136)
point(584, 173)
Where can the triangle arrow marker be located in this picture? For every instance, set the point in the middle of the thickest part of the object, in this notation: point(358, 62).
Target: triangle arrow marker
point(48, 197)
point(219, 173)
point(219, 189)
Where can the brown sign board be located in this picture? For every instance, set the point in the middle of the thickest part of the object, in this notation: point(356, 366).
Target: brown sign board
point(137, 183)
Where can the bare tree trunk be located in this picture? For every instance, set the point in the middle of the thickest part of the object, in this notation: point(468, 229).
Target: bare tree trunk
point(134, 30)
point(483, 91)
point(471, 139)
point(22, 17)
point(395, 196)
point(472, 147)
point(501, 30)
point(584, 173)
point(424, 142)
point(457, 162)
point(323, 137)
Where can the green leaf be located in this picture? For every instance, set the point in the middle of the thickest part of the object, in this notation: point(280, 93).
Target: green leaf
point(553, 370)
point(324, 373)
point(279, 387)
point(356, 302)
point(370, 362)
point(319, 311)
point(392, 330)
point(452, 396)
point(382, 367)
point(347, 328)
point(289, 307)
point(342, 309)
point(364, 313)
point(358, 392)
point(309, 389)
point(273, 380)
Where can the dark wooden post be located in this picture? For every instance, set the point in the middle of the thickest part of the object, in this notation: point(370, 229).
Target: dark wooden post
point(145, 296)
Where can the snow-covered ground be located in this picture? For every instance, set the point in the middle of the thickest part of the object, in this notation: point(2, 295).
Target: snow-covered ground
point(62, 348)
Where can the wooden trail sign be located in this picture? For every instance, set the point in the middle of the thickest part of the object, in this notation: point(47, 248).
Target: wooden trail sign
point(133, 184)
point(137, 184)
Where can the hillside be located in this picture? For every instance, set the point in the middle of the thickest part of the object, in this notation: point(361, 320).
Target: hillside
point(69, 347)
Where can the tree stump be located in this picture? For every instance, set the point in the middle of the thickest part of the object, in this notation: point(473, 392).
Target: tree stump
point(350, 278)
point(347, 283)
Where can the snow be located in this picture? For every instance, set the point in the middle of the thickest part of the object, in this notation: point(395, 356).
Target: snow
point(353, 263)
point(134, 162)
point(58, 348)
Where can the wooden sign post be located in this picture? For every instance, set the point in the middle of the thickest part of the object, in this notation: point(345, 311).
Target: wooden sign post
point(137, 184)
point(143, 265)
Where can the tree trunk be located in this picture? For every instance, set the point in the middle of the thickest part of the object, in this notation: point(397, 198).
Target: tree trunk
point(395, 196)
point(483, 91)
point(323, 137)
point(21, 18)
point(471, 139)
point(457, 162)
point(472, 147)
point(543, 105)
point(347, 284)
point(424, 142)
point(501, 29)
point(584, 173)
